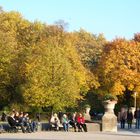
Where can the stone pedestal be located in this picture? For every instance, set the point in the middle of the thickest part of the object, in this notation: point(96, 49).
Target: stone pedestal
point(93, 127)
point(109, 120)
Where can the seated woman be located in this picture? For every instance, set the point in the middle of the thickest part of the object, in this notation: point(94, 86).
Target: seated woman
point(73, 121)
point(65, 122)
point(81, 123)
point(55, 121)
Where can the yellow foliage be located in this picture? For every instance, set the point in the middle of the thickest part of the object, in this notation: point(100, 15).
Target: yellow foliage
point(120, 61)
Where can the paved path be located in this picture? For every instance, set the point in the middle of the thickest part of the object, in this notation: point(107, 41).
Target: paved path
point(71, 136)
point(125, 134)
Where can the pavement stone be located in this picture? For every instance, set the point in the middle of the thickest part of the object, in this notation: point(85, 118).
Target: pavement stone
point(122, 135)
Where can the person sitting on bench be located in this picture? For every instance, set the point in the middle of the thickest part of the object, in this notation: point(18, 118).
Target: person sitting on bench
point(73, 121)
point(55, 121)
point(14, 123)
point(81, 123)
point(65, 122)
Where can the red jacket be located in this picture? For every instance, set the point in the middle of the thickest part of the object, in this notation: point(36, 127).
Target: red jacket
point(81, 120)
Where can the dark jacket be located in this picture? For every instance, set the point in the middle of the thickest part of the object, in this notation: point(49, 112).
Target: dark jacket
point(123, 115)
point(11, 121)
point(129, 117)
point(137, 114)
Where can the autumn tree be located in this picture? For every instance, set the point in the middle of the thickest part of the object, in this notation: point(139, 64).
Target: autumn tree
point(8, 53)
point(17, 37)
point(7, 56)
point(55, 74)
point(89, 47)
point(119, 67)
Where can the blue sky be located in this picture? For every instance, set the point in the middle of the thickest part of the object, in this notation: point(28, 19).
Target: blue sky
point(113, 18)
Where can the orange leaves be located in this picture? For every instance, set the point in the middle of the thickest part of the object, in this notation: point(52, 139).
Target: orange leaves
point(120, 61)
point(117, 88)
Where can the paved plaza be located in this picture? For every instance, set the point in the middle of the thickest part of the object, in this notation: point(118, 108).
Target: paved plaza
point(124, 134)
point(121, 135)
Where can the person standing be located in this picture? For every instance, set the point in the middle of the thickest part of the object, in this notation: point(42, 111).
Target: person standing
point(123, 117)
point(38, 117)
point(129, 118)
point(137, 117)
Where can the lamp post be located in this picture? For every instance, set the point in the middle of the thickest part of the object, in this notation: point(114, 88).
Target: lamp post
point(135, 99)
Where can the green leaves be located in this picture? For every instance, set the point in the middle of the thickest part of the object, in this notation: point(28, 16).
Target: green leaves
point(39, 64)
point(43, 65)
point(52, 70)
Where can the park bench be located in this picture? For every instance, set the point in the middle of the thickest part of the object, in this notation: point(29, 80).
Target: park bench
point(52, 127)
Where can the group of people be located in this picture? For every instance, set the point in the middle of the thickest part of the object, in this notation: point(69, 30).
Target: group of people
point(77, 121)
point(127, 116)
point(22, 120)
